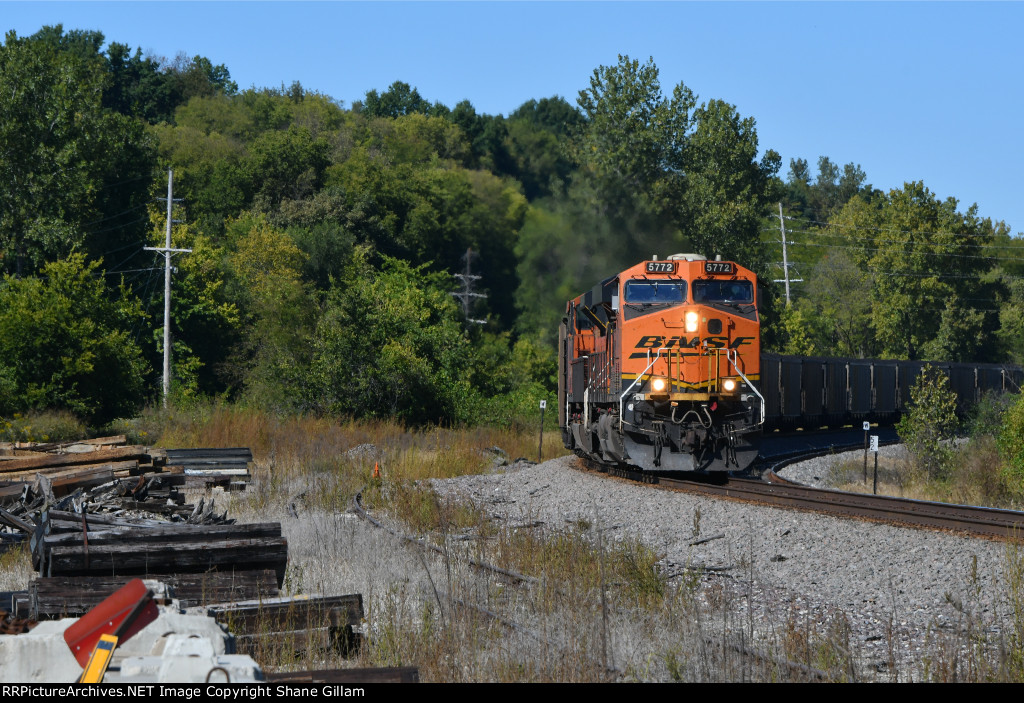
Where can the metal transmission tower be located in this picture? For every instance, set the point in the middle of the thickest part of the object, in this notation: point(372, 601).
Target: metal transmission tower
point(168, 251)
point(466, 295)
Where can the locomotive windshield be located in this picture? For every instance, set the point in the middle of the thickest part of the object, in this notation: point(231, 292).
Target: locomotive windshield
point(723, 292)
point(655, 291)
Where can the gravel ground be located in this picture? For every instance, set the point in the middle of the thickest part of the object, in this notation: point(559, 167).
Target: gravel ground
point(817, 472)
point(901, 590)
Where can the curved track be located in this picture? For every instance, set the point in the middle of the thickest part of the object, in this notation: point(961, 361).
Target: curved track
point(772, 490)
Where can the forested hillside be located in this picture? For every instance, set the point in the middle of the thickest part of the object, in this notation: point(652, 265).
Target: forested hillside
point(326, 238)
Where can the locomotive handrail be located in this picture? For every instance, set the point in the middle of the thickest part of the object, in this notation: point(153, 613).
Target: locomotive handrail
point(733, 356)
point(637, 379)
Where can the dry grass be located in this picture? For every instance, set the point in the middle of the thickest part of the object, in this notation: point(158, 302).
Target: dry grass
point(598, 611)
point(15, 569)
point(973, 477)
point(593, 609)
point(295, 442)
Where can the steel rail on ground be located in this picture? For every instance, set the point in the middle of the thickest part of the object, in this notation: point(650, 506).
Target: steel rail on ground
point(773, 490)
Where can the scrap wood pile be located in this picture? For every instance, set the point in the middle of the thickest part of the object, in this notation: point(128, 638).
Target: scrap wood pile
point(100, 508)
point(97, 514)
point(104, 477)
point(65, 544)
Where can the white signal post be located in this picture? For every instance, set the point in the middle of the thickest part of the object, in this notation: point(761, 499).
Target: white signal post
point(874, 449)
point(167, 252)
point(540, 445)
point(867, 428)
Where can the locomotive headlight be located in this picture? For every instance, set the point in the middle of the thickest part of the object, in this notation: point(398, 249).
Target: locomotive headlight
point(729, 385)
point(658, 385)
point(691, 321)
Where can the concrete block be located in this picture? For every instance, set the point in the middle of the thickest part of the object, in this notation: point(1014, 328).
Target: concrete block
point(39, 656)
point(189, 659)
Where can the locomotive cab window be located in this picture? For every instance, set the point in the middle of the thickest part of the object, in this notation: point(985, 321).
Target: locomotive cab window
point(723, 292)
point(664, 292)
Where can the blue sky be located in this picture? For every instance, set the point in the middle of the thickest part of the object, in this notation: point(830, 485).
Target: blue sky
point(910, 91)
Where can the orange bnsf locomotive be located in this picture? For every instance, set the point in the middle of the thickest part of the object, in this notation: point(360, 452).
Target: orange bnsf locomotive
point(656, 367)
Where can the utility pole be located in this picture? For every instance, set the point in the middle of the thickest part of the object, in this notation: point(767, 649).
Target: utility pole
point(466, 295)
point(785, 258)
point(168, 251)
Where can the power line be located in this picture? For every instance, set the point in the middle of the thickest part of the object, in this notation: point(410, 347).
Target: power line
point(111, 273)
point(130, 180)
point(118, 214)
point(940, 245)
point(886, 229)
point(121, 248)
point(126, 224)
point(914, 253)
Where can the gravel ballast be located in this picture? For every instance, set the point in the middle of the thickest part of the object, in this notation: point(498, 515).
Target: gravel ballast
point(897, 587)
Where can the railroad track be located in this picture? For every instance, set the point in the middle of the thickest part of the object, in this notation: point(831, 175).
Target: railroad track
point(775, 491)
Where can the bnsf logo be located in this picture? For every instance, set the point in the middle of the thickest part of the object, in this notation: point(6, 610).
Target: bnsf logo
point(660, 342)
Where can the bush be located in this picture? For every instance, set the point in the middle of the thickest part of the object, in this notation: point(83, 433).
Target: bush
point(390, 344)
point(66, 342)
point(1011, 445)
point(930, 423)
point(987, 416)
point(42, 427)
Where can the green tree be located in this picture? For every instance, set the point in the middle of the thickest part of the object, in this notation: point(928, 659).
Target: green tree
point(1011, 323)
point(205, 323)
point(419, 139)
point(962, 334)
point(922, 254)
point(197, 76)
point(798, 334)
point(390, 344)
point(839, 295)
point(635, 139)
point(564, 247)
point(75, 175)
point(538, 133)
point(399, 99)
point(930, 425)
point(488, 139)
point(277, 314)
point(727, 189)
point(137, 86)
point(656, 175)
point(66, 342)
point(554, 114)
point(819, 200)
point(285, 164)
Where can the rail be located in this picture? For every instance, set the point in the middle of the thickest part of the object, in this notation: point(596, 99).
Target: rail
point(987, 522)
